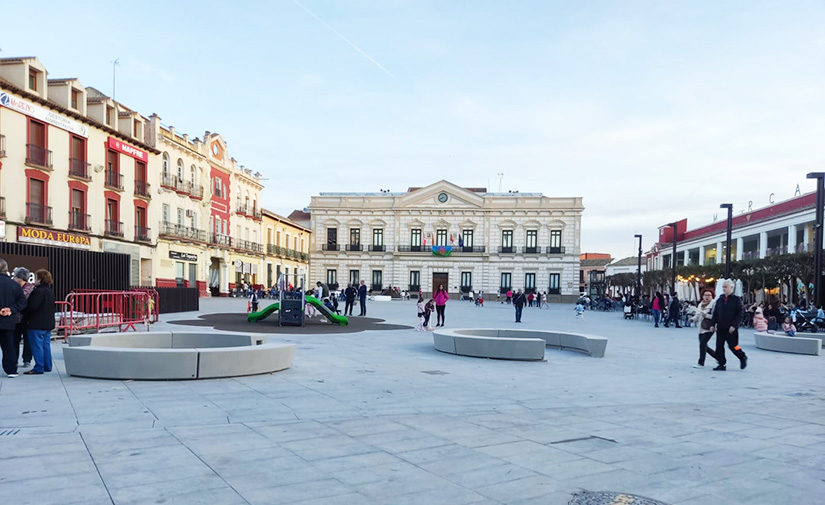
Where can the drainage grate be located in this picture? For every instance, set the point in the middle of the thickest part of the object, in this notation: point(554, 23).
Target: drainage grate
point(8, 432)
point(609, 498)
point(435, 372)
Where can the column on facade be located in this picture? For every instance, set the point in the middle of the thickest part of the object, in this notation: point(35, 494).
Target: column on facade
point(720, 260)
point(701, 255)
point(791, 239)
point(740, 244)
point(763, 244)
point(806, 238)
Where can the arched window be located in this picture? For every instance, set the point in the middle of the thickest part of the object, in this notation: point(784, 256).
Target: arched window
point(192, 175)
point(166, 165)
point(180, 170)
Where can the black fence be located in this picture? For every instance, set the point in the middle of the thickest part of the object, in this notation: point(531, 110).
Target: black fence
point(175, 299)
point(71, 268)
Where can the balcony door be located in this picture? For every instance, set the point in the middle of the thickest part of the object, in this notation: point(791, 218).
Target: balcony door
point(37, 192)
point(78, 204)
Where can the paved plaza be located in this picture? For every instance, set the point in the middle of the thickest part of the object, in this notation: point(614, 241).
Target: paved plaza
point(380, 417)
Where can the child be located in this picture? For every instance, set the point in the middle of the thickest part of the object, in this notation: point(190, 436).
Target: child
point(422, 307)
point(254, 299)
point(328, 304)
point(788, 327)
point(759, 321)
point(428, 309)
point(579, 311)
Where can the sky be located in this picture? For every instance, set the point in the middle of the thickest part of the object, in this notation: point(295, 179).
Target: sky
point(650, 111)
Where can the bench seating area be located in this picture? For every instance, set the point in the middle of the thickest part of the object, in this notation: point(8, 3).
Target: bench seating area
point(514, 344)
point(779, 342)
point(167, 355)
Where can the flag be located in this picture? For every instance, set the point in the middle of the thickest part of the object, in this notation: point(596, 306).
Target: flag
point(442, 250)
point(460, 241)
point(451, 239)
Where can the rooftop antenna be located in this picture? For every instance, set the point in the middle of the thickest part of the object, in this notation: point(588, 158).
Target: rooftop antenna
point(500, 177)
point(115, 64)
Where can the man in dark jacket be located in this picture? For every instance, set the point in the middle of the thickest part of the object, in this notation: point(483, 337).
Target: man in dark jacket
point(674, 311)
point(12, 302)
point(518, 302)
point(727, 314)
point(362, 298)
point(349, 294)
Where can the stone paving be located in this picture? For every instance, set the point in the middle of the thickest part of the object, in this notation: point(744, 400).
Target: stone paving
point(380, 417)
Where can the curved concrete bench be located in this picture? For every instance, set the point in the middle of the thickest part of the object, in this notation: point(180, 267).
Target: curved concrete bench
point(168, 355)
point(780, 342)
point(514, 344)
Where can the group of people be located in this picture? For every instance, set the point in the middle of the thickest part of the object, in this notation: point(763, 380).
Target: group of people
point(721, 316)
point(27, 311)
point(531, 299)
point(425, 308)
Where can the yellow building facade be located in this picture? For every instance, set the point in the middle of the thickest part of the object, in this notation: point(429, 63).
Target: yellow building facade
point(286, 249)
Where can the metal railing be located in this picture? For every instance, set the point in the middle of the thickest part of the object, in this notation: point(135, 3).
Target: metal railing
point(256, 214)
point(411, 248)
point(554, 250)
point(242, 209)
point(114, 180)
point(194, 190)
point(220, 240)
point(167, 181)
point(78, 221)
point(329, 247)
point(143, 234)
point(38, 214)
point(114, 228)
point(246, 245)
point(506, 250)
point(142, 188)
point(469, 249)
point(80, 169)
point(532, 250)
point(376, 248)
point(38, 156)
point(181, 231)
point(354, 247)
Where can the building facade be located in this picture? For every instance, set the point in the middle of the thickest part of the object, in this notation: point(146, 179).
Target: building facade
point(286, 249)
point(464, 238)
point(75, 168)
point(782, 228)
point(592, 271)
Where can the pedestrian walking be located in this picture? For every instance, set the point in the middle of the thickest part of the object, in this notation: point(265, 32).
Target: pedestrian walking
point(20, 275)
point(727, 314)
point(441, 296)
point(673, 312)
point(530, 298)
point(656, 308)
point(349, 296)
point(39, 316)
point(12, 302)
point(253, 300)
point(509, 296)
point(703, 319)
point(362, 298)
point(518, 302)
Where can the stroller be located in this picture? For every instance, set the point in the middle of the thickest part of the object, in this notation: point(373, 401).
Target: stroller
point(628, 311)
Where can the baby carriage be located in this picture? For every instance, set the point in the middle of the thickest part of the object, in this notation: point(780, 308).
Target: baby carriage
point(628, 311)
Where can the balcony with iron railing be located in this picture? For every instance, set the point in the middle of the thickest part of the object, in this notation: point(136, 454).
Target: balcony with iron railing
point(195, 191)
point(38, 214)
point(469, 249)
point(38, 156)
point(220, 240)
point(246, 245)
point(182, 232)
point(412, 248)
point(168, 181)
point(506, 250)
point(143, 234)
point(2, 146)
point(113, 228)
point(329, 247)
point(242, 209)
point(114, 180)
point(354, 247)
point(257, 215)
point(554, 250)
point(79, 169)
point(376, 248)
point(142, 189)
point(2, 206)
point(531, 250)
point(78, 221)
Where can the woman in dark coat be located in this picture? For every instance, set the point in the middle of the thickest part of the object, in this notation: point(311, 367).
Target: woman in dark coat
point(39, 316)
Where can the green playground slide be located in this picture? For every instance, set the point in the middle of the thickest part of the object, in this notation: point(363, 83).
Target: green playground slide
point(254, 317)
point(332, 316)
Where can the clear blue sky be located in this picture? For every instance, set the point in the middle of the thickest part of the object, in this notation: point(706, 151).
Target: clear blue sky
point(650, 110)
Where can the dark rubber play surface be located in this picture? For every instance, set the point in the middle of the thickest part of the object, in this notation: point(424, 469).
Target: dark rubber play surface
point(237, 322)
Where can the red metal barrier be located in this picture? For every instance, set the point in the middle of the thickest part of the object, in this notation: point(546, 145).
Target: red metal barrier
point(93, 310)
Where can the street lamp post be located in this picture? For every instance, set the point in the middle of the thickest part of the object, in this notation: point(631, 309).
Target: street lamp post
point(816, 296)
point(639, 272)
point(728, 206)
point(673, 258)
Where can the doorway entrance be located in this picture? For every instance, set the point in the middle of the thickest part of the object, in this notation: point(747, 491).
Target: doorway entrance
point(440, 278)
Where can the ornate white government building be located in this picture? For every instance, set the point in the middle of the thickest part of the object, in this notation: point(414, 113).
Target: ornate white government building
point(464, 238)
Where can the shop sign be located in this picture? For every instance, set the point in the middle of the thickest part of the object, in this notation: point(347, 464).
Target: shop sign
point(49, 237)
point(43, 114)
point(176, 255)
point(128, 150)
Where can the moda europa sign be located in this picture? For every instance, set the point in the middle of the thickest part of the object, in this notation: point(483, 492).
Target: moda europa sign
point(49, 237)
point(43, 114)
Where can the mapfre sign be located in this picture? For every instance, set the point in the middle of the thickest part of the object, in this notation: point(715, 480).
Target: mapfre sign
point(128, 150)
point(49, 237)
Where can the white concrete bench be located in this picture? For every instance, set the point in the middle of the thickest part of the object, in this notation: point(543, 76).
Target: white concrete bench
point(780, 342)
point(514, 344)
point(174, 355)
